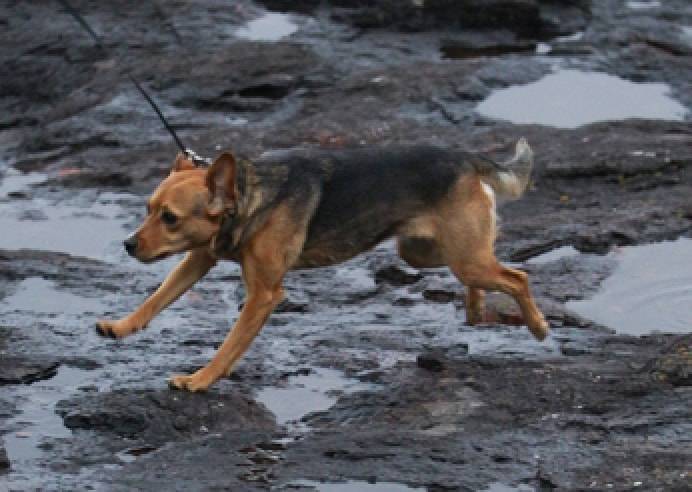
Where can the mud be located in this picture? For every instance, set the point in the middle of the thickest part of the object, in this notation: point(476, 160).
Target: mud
point(366, 378)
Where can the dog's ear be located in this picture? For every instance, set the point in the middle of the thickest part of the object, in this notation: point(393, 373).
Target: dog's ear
point(221, 183)
point(182, 163)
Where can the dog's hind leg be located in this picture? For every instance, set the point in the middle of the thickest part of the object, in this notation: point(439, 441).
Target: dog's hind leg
point(423, 252)
point(466, 235)
point(488, 274)
point(475, 305)
point(420, 252)
point(193, 267)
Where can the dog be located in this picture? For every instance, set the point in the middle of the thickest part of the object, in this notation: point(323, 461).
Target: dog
point(307, 208)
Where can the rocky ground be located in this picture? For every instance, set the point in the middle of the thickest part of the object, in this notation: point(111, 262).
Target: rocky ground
point(389, 383)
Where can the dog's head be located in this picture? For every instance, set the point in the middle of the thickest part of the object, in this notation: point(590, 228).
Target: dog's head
point(185, 211)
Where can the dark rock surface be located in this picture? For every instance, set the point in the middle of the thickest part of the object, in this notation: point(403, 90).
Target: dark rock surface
point(4, 461)
point(485, 420)
point(527, 18)
point(19, 370)
point(161, 416)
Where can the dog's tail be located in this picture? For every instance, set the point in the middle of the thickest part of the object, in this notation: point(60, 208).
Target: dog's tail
point(511, 178)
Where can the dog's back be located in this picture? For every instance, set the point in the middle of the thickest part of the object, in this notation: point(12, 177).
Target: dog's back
point(351, 199)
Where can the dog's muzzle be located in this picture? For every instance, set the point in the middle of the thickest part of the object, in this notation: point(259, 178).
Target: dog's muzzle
point(131, 245)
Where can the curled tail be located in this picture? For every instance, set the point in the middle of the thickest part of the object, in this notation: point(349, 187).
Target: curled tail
point(511, 178)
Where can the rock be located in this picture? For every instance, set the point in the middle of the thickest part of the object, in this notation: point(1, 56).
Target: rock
point(432, 361)
point(289, 306)
point(572, 350)
point(527, 18)
point(20, 370)
point(161, 416)
point(396, 276)
point(674, 366)
point(4, 461)
point(439, 295)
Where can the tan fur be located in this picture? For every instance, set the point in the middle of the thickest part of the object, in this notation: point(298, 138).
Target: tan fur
point(460, 233)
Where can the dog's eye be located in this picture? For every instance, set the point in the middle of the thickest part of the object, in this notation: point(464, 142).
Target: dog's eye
point(168, 217)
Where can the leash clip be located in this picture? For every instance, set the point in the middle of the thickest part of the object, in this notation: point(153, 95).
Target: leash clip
point(197, 159)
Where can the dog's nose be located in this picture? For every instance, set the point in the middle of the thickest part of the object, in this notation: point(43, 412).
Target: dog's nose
point(130, 245)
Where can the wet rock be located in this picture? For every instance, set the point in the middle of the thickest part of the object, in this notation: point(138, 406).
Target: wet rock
point(460, 50)
point(246, 77)
point(527, 18)
point(21, 370)
point(4, 461)
point(439, 295)
point(674, 366)
point(160, 416)
point(396, 276)
point(485, 425)
point(92, 179)
point(189, 466)
point(571, 350)
point(431, 361)
point(289, 306)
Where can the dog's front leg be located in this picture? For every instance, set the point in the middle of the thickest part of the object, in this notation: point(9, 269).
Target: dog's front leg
point(193, 267)
point(257, 309)
point(264, 293)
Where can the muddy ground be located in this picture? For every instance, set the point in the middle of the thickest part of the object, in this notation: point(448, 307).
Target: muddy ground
point(367, 374)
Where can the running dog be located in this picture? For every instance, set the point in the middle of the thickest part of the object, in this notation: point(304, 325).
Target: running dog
point(307, 208)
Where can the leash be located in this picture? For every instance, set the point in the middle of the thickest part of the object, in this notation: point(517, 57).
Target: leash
point(189, 153)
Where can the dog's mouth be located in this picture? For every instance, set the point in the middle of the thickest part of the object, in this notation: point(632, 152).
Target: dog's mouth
point(156, 258)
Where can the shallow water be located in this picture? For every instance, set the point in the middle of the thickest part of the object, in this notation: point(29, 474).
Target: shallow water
point(571, 98)
point(38, 424)
point(356, 486)
point(650, 290)
point(643, 4)
point(38, 295)
point(554, 255)
point(686, 32)
point(13, 181)
point(91, 227)
point(306, 394)
point(271, 26)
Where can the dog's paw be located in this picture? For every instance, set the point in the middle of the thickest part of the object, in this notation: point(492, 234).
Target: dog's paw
point(539, 329)
point(106, 328)
point(113, 329)
point(196, 382)
point(475, 316)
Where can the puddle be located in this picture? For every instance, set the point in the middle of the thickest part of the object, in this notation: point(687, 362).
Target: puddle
point(500, 487)
point(569, 38)
point(356, 486)
point(12, 182)
point(554, 255)
point(543, 48)
point(272, 26)
point(360, 279)
point(640, 5)
point(650, 290)
point(38, 423)
point(38, 295)
point(306, 394)
point(687, 32)
point(91, 228)
point(571, 98)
